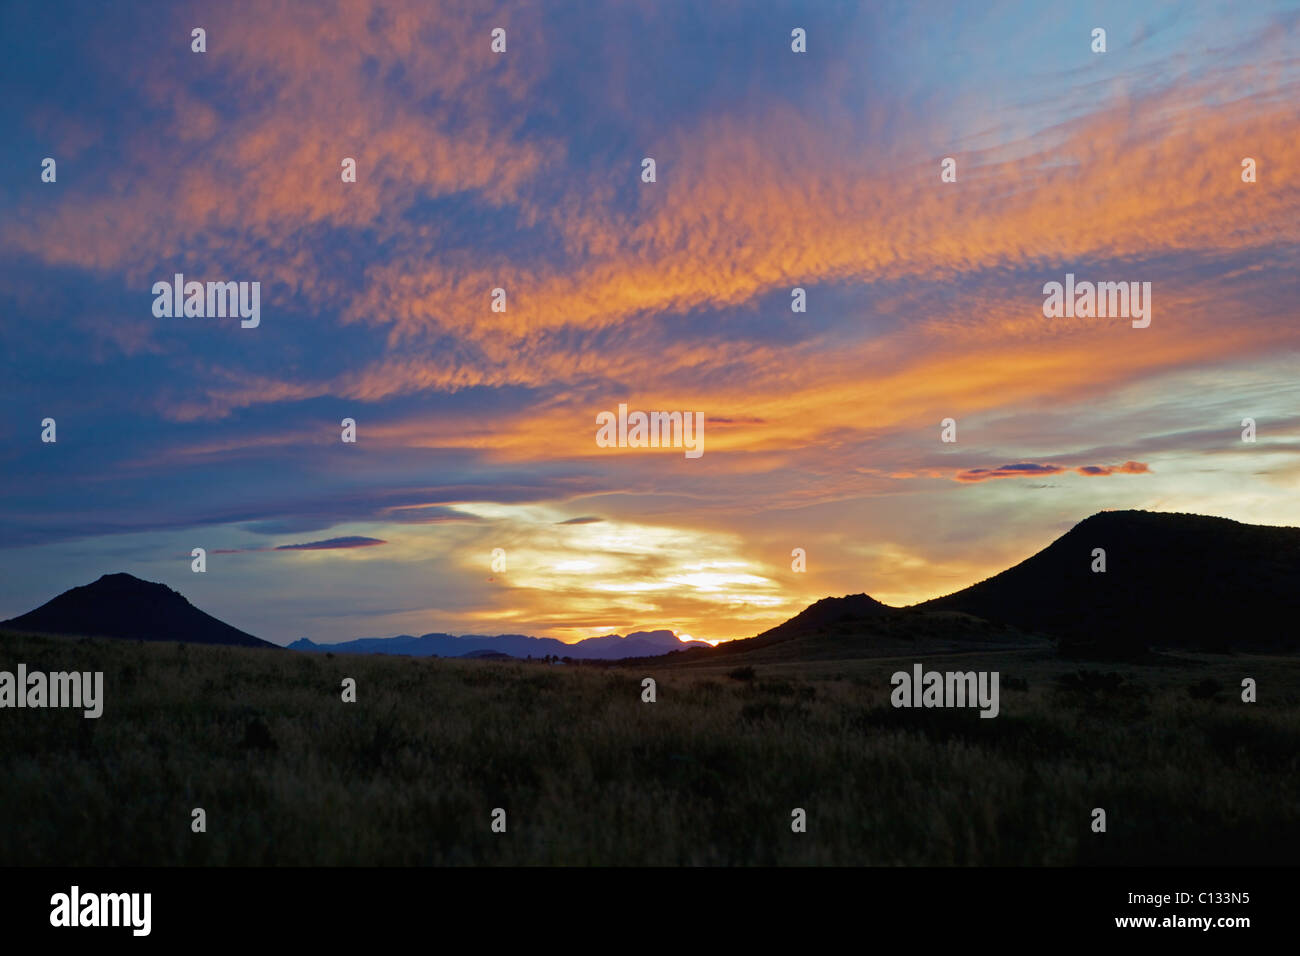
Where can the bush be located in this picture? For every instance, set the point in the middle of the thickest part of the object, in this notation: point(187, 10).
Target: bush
point(1091, 682)
point(1207, 689)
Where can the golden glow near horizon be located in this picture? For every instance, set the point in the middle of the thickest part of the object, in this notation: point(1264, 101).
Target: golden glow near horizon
point(643, 576)
point(477, 429)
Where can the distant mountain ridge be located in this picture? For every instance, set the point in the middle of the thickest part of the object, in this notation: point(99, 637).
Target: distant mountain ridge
point(608, 647)
point(1171, 580)
point(123, 606)
point(126, 607)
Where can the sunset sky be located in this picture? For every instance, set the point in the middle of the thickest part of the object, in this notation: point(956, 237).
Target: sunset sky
point(775, 170)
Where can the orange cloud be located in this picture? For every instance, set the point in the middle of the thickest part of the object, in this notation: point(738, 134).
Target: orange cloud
point(246, 193)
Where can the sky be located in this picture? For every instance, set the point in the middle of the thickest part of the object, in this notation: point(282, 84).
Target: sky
point(476, 430)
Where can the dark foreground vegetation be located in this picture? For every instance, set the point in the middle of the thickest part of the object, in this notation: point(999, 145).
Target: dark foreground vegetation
point(589, 774)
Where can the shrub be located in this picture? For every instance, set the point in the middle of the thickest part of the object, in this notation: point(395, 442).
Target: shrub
point(1207, 689)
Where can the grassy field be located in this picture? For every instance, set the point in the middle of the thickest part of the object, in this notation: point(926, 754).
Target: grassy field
point(589, 774)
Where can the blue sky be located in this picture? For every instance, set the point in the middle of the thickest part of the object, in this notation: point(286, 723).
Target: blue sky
point(775, 170)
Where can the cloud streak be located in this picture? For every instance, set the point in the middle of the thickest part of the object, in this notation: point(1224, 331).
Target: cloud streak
point(326, 544)
point(1032, 470)
point(475, 428)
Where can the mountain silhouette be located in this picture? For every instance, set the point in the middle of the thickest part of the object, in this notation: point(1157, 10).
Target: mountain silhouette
point(123, 606)
point(1178, 581)
point(830, 611)
point(857, 626)
point(1171, 580)
point(608, 647)
point(819, 622)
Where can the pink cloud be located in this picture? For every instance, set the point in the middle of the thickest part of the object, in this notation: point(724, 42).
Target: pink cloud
point(1026, 469)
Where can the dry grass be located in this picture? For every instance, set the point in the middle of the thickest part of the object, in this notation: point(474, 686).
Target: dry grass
point(588, 774)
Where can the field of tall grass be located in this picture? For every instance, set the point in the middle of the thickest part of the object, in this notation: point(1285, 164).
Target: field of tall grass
point(589, 774)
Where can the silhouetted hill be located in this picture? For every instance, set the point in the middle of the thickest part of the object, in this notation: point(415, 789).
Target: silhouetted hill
point(123, 606)
point(608, 647)
point(830, 611)
point(829, 616)
point(856, 626)
point(1171, 580)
